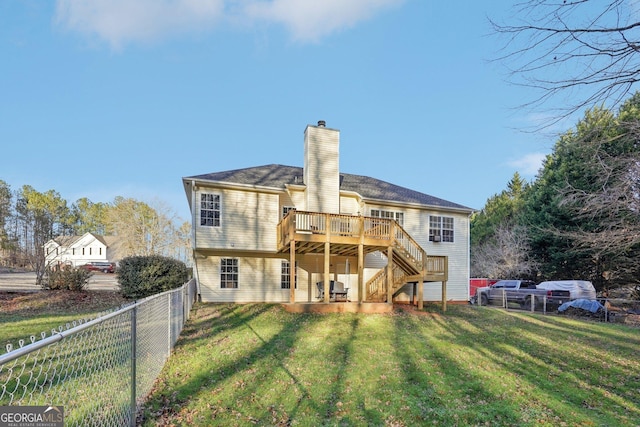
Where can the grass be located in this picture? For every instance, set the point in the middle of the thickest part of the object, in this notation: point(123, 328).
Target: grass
point(25, 314)
point(256, 364)
point(87, 386)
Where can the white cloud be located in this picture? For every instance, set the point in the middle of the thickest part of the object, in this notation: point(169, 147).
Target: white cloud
point(122, 21)
point(309, 21)
point(530, 164)
point(119, 22)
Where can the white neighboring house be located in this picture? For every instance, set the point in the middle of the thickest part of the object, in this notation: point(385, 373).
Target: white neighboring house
point(79, 250)
point(249, 226)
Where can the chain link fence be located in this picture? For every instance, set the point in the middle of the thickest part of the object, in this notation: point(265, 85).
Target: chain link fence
point(99, 370)
point(616, 310)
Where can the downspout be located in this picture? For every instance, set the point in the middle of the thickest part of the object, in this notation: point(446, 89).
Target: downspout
point(194, 245)
point(469, 257)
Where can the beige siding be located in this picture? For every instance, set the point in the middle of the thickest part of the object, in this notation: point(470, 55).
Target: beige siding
point(349, 205)
point(416, 223)
point(248, 222)
point(285, 200)
point(297, 199)
point(258, 281)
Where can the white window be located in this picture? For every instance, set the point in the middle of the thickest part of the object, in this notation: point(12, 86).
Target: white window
point(440, 228)
point(285, 282)
point(286, 209)
point(398, 216)
point(229, 273)
point(210, 210)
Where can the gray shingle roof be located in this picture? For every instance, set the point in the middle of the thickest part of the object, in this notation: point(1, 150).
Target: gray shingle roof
point(278, 176)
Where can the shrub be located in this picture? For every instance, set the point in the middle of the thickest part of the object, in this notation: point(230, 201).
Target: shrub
point(142, 276)
point(67, 278)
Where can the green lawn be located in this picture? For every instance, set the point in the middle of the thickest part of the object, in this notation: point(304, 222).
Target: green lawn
point(256, 364)
point(26, 314)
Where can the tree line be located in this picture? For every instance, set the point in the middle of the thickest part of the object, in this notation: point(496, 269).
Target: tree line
point(30, 218)
point(579, 218)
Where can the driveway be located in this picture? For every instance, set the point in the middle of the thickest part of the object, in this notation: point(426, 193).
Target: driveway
point(26, 282)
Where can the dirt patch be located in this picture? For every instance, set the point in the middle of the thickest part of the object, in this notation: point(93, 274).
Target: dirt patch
point(59, 302)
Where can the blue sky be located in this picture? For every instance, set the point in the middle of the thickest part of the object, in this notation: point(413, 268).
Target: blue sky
point(108, 98)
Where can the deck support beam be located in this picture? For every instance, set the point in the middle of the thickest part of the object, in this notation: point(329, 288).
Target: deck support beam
point(327, 271)
point(444, 296)
point(292, 272)
point(361, 290)
point(444, 286)
point(389, 275)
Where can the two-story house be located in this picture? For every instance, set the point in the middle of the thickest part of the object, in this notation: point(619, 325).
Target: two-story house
point(79, 250)
point(383, 242)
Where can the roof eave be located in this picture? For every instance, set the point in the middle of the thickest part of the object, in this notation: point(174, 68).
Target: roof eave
point(230, 185)
point(418, 205)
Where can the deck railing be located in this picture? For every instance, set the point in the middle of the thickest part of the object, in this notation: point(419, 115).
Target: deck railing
point(301, 222)
point(374, 231)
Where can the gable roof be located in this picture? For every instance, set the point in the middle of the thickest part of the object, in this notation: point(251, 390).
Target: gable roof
point(69, 241)
point(279, 177)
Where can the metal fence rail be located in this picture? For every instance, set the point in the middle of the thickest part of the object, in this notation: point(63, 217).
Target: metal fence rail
point(99, 370)
point(610, 310)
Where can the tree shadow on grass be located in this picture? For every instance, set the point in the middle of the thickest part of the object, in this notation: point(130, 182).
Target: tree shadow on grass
point(553, 363)
point(248, 378)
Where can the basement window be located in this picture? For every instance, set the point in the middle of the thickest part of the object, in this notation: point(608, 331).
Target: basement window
point(285, 282)
point(229, 273)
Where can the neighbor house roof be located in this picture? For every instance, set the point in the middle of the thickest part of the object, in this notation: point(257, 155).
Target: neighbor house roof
point(279, 176)
point(71, 240)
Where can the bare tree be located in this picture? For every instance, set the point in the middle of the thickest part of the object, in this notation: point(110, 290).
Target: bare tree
point(589, 52)
point(506, 256)
point(144, 229)
point(615, 205)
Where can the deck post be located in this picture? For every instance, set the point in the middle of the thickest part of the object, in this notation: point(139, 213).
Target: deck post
point(390, 275)
point(327, 270)
point(361, 290)
point(444, 295)
point(362, 296)
point(309, 287)
point(420, 284)
point(444, 285)
point(292, 272)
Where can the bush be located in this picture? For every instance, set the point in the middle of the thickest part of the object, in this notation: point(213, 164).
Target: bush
point(142, 276)
point(67, 278)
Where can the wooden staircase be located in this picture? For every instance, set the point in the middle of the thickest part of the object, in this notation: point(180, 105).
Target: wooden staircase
point(407, 265)
point(302, 233)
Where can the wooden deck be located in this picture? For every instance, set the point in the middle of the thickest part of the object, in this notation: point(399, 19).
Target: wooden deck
point(312, 233)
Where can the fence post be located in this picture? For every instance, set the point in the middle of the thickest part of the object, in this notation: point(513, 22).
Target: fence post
point(169, 325)
point(533, 303)
point(134, 351)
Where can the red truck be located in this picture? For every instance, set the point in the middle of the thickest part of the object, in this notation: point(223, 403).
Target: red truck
point(476, 283)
